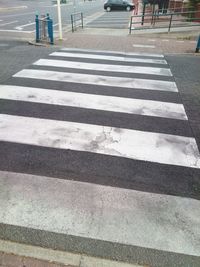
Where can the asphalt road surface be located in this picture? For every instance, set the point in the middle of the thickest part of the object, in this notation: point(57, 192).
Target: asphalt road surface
point(18, 18)
point(106, 160)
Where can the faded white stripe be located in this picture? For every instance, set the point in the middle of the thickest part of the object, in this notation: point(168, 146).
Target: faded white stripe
point(98, 80)
point(144, 46)
point(147, 146)
point(114, 52)
point(99, 102)
point(108, 57)
point(124, 216)
point(23, 26)
point(103, 67)
point(8, 23)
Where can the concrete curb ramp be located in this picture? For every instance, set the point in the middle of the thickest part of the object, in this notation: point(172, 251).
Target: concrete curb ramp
point(54, 256)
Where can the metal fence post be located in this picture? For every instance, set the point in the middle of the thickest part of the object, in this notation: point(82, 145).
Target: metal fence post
point(153, 13)
point(170, 23)
point(130, 27)
point(143, 13)
point(82, 19)
point(198, 45)
point(37, 28)
point(50, 28)
point(72, 23)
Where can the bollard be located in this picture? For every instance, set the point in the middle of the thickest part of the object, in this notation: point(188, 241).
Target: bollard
point(37, 29)
point(198, 45)
point(50, 29)
point(44, 29)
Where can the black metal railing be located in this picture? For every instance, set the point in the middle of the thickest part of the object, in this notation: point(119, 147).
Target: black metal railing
point(164, 20)
point(76, 20)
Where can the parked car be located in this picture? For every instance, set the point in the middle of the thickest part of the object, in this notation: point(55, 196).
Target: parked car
point(118, 5)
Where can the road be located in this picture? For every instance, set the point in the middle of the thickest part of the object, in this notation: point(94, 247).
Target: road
point(19, 19)
point(98, 156)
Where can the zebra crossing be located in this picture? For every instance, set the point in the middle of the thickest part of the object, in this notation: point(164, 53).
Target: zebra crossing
point(97, 145)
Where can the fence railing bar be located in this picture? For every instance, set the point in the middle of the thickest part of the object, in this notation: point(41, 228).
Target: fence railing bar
point(172, 18)
point(76, 20)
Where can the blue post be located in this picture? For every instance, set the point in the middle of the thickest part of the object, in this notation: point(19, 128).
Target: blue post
point(50, 28)
point(198, 45)
point(37, 28)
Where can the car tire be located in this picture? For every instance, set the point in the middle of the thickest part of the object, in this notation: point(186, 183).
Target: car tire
point(128, 8)
point(108, 9)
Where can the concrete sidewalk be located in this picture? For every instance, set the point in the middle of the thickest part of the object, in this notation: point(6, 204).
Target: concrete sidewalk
point(120, 40)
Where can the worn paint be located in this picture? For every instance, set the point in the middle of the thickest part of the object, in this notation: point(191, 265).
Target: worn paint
point(146, 146)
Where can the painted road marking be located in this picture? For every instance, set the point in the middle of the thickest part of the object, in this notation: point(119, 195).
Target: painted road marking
point(17, 15)
point(107, 57)
point(98, 102)
point(98, 80)
point(133, 144)
point(23, 26)
point(115, 52)
point(12, 8)
point(103, 67)
point(17, 31)
point(130, 217)
point(144, 46)
point(8, 23)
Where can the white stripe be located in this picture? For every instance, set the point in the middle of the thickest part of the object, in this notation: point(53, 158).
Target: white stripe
point(141, 45)
point(97, 80)
point(147, 146)
point(112, 19)
point(99, 102)
point(116, 52)
point(105, 213)
point(17, 31)
point(23, 26)
point(107, 57)
point(8, 23)
point(103, 67)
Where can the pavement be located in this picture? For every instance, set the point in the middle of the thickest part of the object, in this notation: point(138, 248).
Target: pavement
point(97, 200)
point(120, 40)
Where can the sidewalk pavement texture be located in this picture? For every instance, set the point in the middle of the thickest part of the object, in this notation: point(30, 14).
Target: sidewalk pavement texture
point(11, 260)
point(173, 43)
